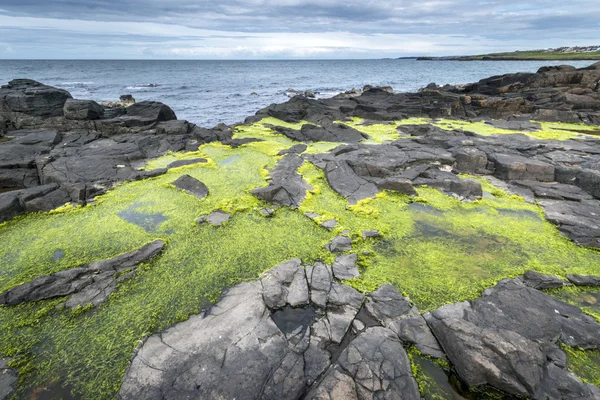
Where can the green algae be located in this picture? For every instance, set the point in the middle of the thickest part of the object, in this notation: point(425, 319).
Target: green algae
point(88, 350)
point(584, 363)
point(379, 133)
point(388, 131)
point(549, 130)
point(438, 250)
point(434, 248)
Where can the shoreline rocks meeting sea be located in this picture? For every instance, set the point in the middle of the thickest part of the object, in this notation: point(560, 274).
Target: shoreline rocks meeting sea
point(374, 245)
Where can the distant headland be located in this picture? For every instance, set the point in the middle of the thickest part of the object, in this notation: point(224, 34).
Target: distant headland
point(561, 53)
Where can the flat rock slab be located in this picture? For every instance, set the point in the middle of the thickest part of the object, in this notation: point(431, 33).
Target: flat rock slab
point(540, 281)
point(215, 218)
point(191, 185)
point(339, 244)
point(89, 284)
point(183, 163)
point(583, 280)
point(344, 267)
point(286, 186)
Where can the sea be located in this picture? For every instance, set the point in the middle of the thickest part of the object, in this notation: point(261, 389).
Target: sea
point(212, 92)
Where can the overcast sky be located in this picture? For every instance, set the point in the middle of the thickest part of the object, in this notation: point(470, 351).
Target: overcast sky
point(275, 29)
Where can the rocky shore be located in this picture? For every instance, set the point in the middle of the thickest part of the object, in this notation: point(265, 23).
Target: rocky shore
point(310, 327)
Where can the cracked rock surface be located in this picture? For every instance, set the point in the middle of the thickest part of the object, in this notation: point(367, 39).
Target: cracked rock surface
point(254, 344)
point(488, 342)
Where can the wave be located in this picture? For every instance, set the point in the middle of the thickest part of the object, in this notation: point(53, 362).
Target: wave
point(77, 83)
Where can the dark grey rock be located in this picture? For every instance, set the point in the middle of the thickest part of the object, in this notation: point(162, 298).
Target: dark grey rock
point(540, 281)
point(295, 149)
point(339, 244)
point(151, 110)
point(89, 284)
point(344, 267)
point(399, 185)
point(488, 342)
point(371, 233)
point(286, 186)
point(330, 224)
point(285, 284)
point(510, 167)
point(182, 163)
point(584, 280)
point(470, 160)
point(378, 365)
point(83, 110)
point(320, 278)
point(516, 125)
point(191, 185)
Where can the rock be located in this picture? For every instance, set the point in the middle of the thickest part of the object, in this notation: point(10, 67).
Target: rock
point(488, 343)
point(25, 102)
point(40, 198)
point(509, 167)
point(319, 278)
point(395, 312)
point(285, 284)
point(583, 280)
point(344, 180)
point(326, 133)
point(380, 368)
point(330, 224)
point(339, 244)
point(470, 160)
point(239, 360)
point(345, 268)
point(8, 379)
point(286, 186)
point(83, 110)
point(126, 100)
point(151, 110)
point(371, 233)
point(191, 185)
point(88, 284)
point(215, 218)
point(295, 149)
point(527, 126)
point(183, 163)
point(540, 281)
point(399, 185)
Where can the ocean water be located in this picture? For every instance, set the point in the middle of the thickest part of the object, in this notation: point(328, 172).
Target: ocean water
point(210, 92)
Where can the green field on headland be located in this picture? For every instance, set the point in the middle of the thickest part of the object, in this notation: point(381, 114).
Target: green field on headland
point(532, 55)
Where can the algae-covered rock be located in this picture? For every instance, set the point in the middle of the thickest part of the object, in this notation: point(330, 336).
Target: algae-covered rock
point(88, 284)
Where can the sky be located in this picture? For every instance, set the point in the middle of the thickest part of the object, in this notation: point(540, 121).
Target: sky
point(289, 29)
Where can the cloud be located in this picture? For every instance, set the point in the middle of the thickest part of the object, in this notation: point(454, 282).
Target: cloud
point(290, 28)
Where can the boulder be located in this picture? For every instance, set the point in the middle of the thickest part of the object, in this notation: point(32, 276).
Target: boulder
point(22, 98)
point(151, 110)
point(83, 110)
